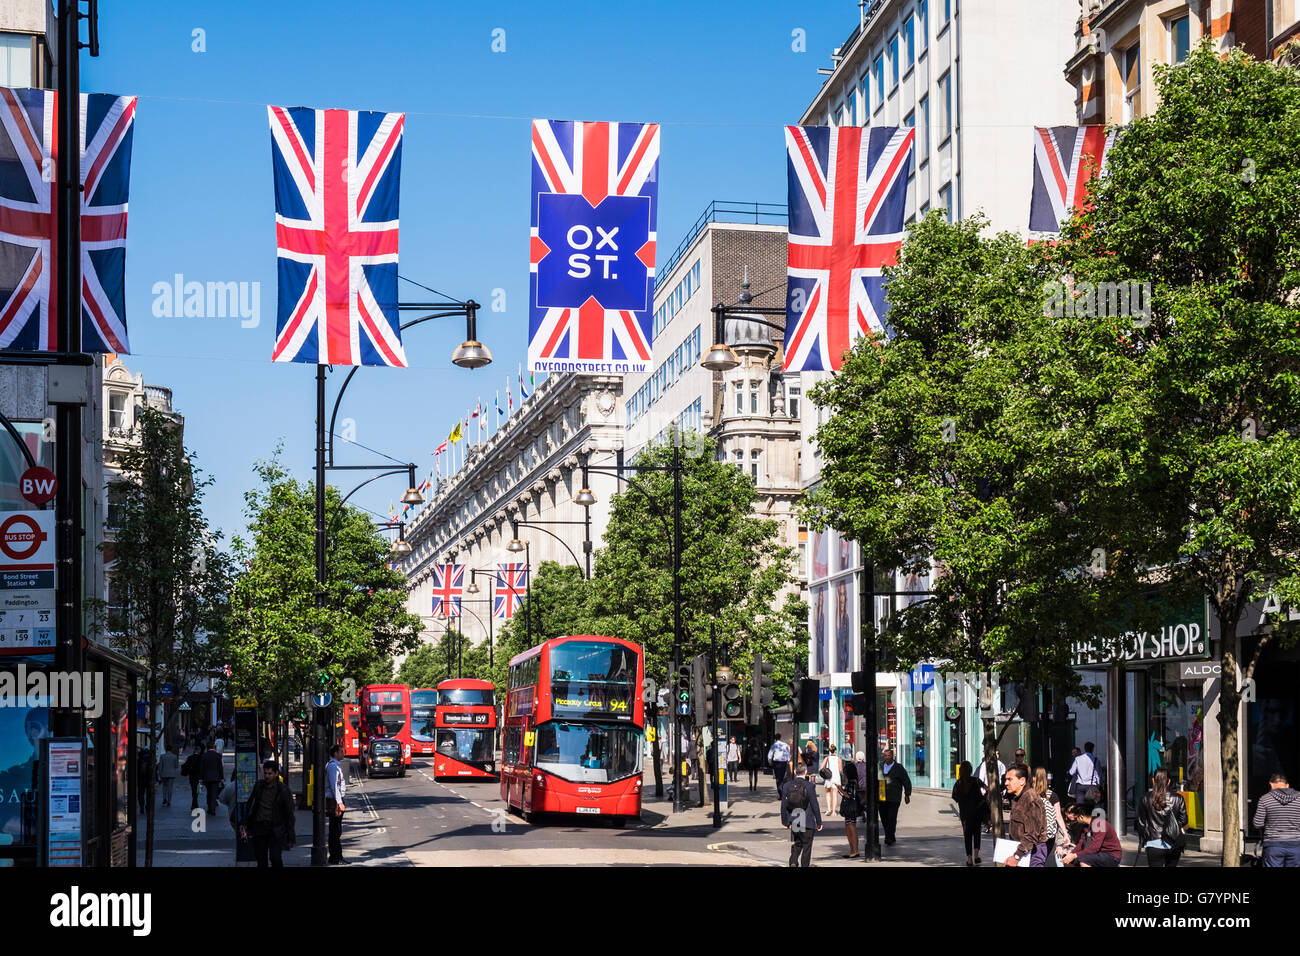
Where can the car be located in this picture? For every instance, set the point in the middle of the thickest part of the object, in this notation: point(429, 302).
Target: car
point(384, 756)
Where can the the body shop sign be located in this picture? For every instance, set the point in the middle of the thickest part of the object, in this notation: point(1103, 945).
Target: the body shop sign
point(1184, 636)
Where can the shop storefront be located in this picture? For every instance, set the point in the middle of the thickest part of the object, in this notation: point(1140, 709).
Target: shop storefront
point(1156, 704)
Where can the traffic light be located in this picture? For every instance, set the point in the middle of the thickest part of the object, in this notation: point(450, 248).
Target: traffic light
point(683, 698)
point(733, 704)
point(703, 709)
point(761, 688)
point(804, 699)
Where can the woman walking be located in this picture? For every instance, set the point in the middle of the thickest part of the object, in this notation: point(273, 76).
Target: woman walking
point(832, 763)
point(1045, 855)
point(1161, 818)
point(849, 808)
point(969, 794)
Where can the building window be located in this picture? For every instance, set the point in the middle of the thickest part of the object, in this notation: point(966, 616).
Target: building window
point(923, 131)
point(923, 22)
point(945, 106)
point(910, 122)
point(740, 398)
point(739, 458)
point(947, 11)
point(909, 43)
point(894, 63)
point(846, 111)
point(878, 74)
point(16, 61)
point(945, 198)
point(116, 413)
point(753, 397)
point(753, 465)
point(1132, 81)
point(792, 393)
point(864, 98)
point(1180, 39)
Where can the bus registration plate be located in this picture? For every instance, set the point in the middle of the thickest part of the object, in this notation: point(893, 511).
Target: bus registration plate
point(588, 809)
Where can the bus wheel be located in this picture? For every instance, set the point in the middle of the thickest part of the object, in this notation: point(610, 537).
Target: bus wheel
point(533, 817)
point(402, 772)
point(620, 823)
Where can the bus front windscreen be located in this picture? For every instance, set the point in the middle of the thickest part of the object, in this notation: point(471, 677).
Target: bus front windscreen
point(471, 746)
point(588, 752)
point(465, 696)
point(590, 678)
point(422, 724)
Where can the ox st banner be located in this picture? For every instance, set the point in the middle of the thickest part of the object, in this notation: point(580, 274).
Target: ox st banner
point(595, 198)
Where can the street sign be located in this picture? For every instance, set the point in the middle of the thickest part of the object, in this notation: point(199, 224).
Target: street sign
point(683, 710)
point(37, 485)
point(322, 700)
point(166, 690)
point(26, 550)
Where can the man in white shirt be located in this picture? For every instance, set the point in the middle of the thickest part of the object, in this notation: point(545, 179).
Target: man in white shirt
point(334, 790)
point(779, 757)
point(1083, 773)
point(983, 771)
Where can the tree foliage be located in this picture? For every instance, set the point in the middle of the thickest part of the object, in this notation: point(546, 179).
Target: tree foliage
point(1059, 463)
point(280, 642)
point(453, 656)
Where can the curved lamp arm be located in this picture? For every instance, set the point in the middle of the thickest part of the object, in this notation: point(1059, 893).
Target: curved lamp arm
point(526, 524)
point(464, 307)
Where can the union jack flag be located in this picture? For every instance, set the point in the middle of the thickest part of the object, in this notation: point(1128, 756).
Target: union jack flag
point(1065, 159)
point(448, 588)
point(847, 190)
point(592, 256)
point(336, 191)
point(29, 211)
point(512, 585)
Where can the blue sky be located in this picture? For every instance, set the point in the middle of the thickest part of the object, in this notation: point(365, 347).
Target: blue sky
point(722, 78)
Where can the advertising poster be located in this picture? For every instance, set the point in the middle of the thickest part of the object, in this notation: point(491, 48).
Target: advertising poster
point(21, 731)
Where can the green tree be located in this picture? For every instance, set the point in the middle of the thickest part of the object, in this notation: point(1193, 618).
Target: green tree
point(733, 571)
point(555, 605)
point(451, 656)
point(280, 642)
point(166, 566)
point(1193, 430)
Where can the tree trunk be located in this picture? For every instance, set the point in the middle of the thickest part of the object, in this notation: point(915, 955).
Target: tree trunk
point(1229, 705)
point(994, 795)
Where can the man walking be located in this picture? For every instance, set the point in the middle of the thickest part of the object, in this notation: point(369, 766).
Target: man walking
point(1083, 775)
point(799, 814)
point(334, 788)
point(1278, 815)
point(193, 769)
point(895, 788)
point(212, 776)
point(779, 757)
point(1028, 824)
point(269, 812)
point(169, 767)
point(733, 760)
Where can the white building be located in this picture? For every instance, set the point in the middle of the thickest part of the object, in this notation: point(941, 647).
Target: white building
point(974, 77)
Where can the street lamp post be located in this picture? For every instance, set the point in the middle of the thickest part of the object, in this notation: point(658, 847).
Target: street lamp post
point(470, 354)
point(515, 525)
point(587, 499)
point(473, 589)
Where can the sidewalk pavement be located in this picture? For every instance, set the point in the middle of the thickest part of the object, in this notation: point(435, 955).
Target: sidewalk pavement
point(180, 839)
point(928, 834)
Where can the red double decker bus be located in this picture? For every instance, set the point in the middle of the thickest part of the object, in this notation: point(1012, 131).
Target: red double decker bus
point(424, 707)
point(347, 730)
point(573, 729)
point(466, 729)
point(386, 712)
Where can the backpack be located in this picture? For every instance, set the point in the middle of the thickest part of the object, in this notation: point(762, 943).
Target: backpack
point(796, 795)
point(1049, 810)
